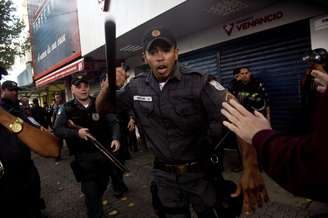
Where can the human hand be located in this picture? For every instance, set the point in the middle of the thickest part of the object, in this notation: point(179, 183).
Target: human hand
point(115, 145)
point(252, 186)
point(242, 122)
point(320, 78)
point(131, 124)
point(104, 83)
point(84, 133)
point(120, 76)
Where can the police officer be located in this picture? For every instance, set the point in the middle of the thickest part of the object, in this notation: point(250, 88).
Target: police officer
point(20, 180)
point(177, 109)
point(76, 120)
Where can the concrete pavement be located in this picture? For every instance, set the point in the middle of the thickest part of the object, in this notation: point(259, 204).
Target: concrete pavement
point(65, 200)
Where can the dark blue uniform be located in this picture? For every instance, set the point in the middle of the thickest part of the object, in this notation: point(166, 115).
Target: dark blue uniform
point(20, 184)
point(90, 167)
point(180, 123)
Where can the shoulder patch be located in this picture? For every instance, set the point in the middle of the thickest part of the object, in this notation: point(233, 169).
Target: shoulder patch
point(216, 85)
point(60, 110)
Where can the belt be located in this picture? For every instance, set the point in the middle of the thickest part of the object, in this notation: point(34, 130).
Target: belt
point(178, 169)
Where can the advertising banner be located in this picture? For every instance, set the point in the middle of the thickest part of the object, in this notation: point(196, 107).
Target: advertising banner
point(55, 36)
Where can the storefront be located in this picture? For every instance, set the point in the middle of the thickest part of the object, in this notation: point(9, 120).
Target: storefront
point(274, 57)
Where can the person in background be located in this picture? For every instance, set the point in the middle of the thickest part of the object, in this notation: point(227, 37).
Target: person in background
point(297, 163)
point(39, 113)
point(252, 95)
point(120, 120)
point(59, 101)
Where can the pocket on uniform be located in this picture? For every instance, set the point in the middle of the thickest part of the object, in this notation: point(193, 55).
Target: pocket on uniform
point(185, 109)
point(144, 107)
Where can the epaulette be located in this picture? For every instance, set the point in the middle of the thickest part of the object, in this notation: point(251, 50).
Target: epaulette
point(186, 70)
point(140, 75)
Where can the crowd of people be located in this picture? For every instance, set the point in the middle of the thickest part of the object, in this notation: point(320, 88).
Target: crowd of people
point(180, 115)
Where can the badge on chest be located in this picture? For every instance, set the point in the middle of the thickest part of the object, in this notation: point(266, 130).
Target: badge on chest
point(95, 116)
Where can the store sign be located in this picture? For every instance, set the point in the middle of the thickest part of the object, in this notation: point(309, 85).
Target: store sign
point(55, 36)
point(69, 69)
point(251, 22)
point(321, 23)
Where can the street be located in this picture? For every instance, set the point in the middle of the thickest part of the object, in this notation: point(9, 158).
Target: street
point(65, 200)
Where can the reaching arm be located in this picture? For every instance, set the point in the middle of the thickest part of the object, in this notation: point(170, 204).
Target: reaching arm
point(42, 142)
point(61, 128)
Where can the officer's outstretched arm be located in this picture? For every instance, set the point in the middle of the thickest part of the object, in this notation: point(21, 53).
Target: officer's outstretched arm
point(251, 183)
point(42, 142)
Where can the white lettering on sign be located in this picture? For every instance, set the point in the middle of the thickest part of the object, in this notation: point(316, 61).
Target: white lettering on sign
point(51, 47)
point(142, 98)
point(252, 22)
point(321, 23)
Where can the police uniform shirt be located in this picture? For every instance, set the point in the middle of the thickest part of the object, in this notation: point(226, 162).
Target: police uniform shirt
point(83, 117)
point(180, 120)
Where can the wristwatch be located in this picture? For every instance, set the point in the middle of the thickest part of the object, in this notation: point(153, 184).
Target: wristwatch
point(16, 126)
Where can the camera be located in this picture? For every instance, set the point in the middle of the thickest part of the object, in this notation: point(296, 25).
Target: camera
point(316, 56)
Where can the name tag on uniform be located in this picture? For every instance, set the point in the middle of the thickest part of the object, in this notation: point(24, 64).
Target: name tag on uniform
point(217, 85)
point(142, 98)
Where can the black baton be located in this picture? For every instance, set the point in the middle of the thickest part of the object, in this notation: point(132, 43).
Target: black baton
point(110, 38)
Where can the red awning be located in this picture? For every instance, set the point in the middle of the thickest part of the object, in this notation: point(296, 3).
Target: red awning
point(69, 69)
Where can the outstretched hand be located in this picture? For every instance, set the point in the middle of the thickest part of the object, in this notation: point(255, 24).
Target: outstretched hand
point(320, 78)
point(242, 122)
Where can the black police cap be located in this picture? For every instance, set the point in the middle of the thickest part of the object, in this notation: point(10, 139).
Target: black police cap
point(10, 85)
point(79, 78)
point(158, 34)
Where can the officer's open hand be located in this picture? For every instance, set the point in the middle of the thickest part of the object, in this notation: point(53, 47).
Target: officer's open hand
point(84, 133)
point(252, 186)
point(115, 145)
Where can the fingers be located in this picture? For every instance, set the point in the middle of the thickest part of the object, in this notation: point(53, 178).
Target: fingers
point(246, 203)
point(320, 75)
point(241, 109)
point(230, 126)
point(259, 115)
point(227, 112)
point(115, 145)
point(321, 89)
point(237, 192)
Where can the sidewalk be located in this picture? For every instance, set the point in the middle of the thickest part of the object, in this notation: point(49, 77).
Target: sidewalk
point(65, 200)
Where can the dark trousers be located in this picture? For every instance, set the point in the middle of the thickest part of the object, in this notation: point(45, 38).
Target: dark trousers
point(20, 191)
point(178, 192)
point(93, 191)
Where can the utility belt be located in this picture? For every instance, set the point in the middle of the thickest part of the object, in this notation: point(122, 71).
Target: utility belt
point(179, 169)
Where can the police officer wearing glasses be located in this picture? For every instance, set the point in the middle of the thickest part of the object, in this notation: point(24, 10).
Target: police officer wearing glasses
point(178, 109)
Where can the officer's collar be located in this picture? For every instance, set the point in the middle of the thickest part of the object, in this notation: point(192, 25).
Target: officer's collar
point(76, 102)
point(176, 74)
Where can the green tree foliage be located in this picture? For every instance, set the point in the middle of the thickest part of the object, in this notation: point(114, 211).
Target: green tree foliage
point(10, 29)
